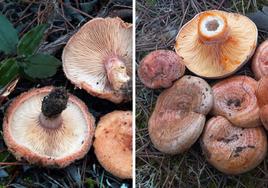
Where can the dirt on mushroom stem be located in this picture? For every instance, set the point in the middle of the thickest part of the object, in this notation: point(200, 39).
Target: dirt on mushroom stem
point(52, 106)
point(55, 102)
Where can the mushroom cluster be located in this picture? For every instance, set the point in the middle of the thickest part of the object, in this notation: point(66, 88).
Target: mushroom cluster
point(212, 45)
point(52, 128)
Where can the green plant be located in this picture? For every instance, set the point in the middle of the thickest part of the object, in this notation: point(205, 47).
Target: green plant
point(22, 58)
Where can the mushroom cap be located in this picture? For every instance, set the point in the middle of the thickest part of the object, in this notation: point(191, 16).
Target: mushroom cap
point(262, 91)
point(26, 139)
point(113, 143)
point(264, 116)
point(86, 52)
point(260, 61)
point(160, 68)
point(179, 115)
point(231, 149)
point(235, 99)
point(222, 58)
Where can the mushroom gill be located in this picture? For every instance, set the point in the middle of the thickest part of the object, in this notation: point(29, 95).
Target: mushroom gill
point(98, 58)
point(215, 44)
point(45, 126)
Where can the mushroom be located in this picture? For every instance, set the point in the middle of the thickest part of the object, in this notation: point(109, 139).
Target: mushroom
point(235, 99)
point(160, 68)
point(179, 115)
point(260, 61)
point(113, 143)
point(49, 127)
point(98, 58)
point(262, 96)
point(264, 116)
point(262, 91)
point(215, 44)
point(231, 149)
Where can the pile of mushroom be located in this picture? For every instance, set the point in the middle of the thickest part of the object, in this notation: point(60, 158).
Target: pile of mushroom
point(214, 45)
point(52, 128)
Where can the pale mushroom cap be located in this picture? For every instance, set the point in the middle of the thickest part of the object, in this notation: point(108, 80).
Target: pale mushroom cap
point(235, 99)
point(260, 61)
point(28, 140)
point(230, 149)
point(220, 59)
point(113, 143)
point(179, 115)
point(160, 68)
point(85, 53)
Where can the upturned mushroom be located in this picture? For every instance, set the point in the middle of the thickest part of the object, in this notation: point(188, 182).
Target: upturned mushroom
point(160, 68)
point(98, 58)
point(260, 61)
point(235, 99)
point(215, 44)
point(48, 127)
point(179, 115)
point(231, 149)
point(113, 143)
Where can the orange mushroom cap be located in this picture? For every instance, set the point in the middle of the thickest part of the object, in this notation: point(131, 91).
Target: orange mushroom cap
point(215, 44)
point(48, 145)
point(264, 116)
point(113, 143)
point(179, 115)
point(260, 61)
point(262, 91)
point(160, 68)
point(231, 149)
point(98, 58)
point(235, 99)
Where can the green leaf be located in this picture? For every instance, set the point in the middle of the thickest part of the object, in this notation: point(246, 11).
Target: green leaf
point(90, 183)
point(9, 70)
point(8, 36)
point(30, 42)
point(41, 66)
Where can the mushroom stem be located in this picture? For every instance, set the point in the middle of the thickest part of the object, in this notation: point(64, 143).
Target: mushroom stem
point(52, 106)
point(117, 73)
point(50, 123)
point(212, 28)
